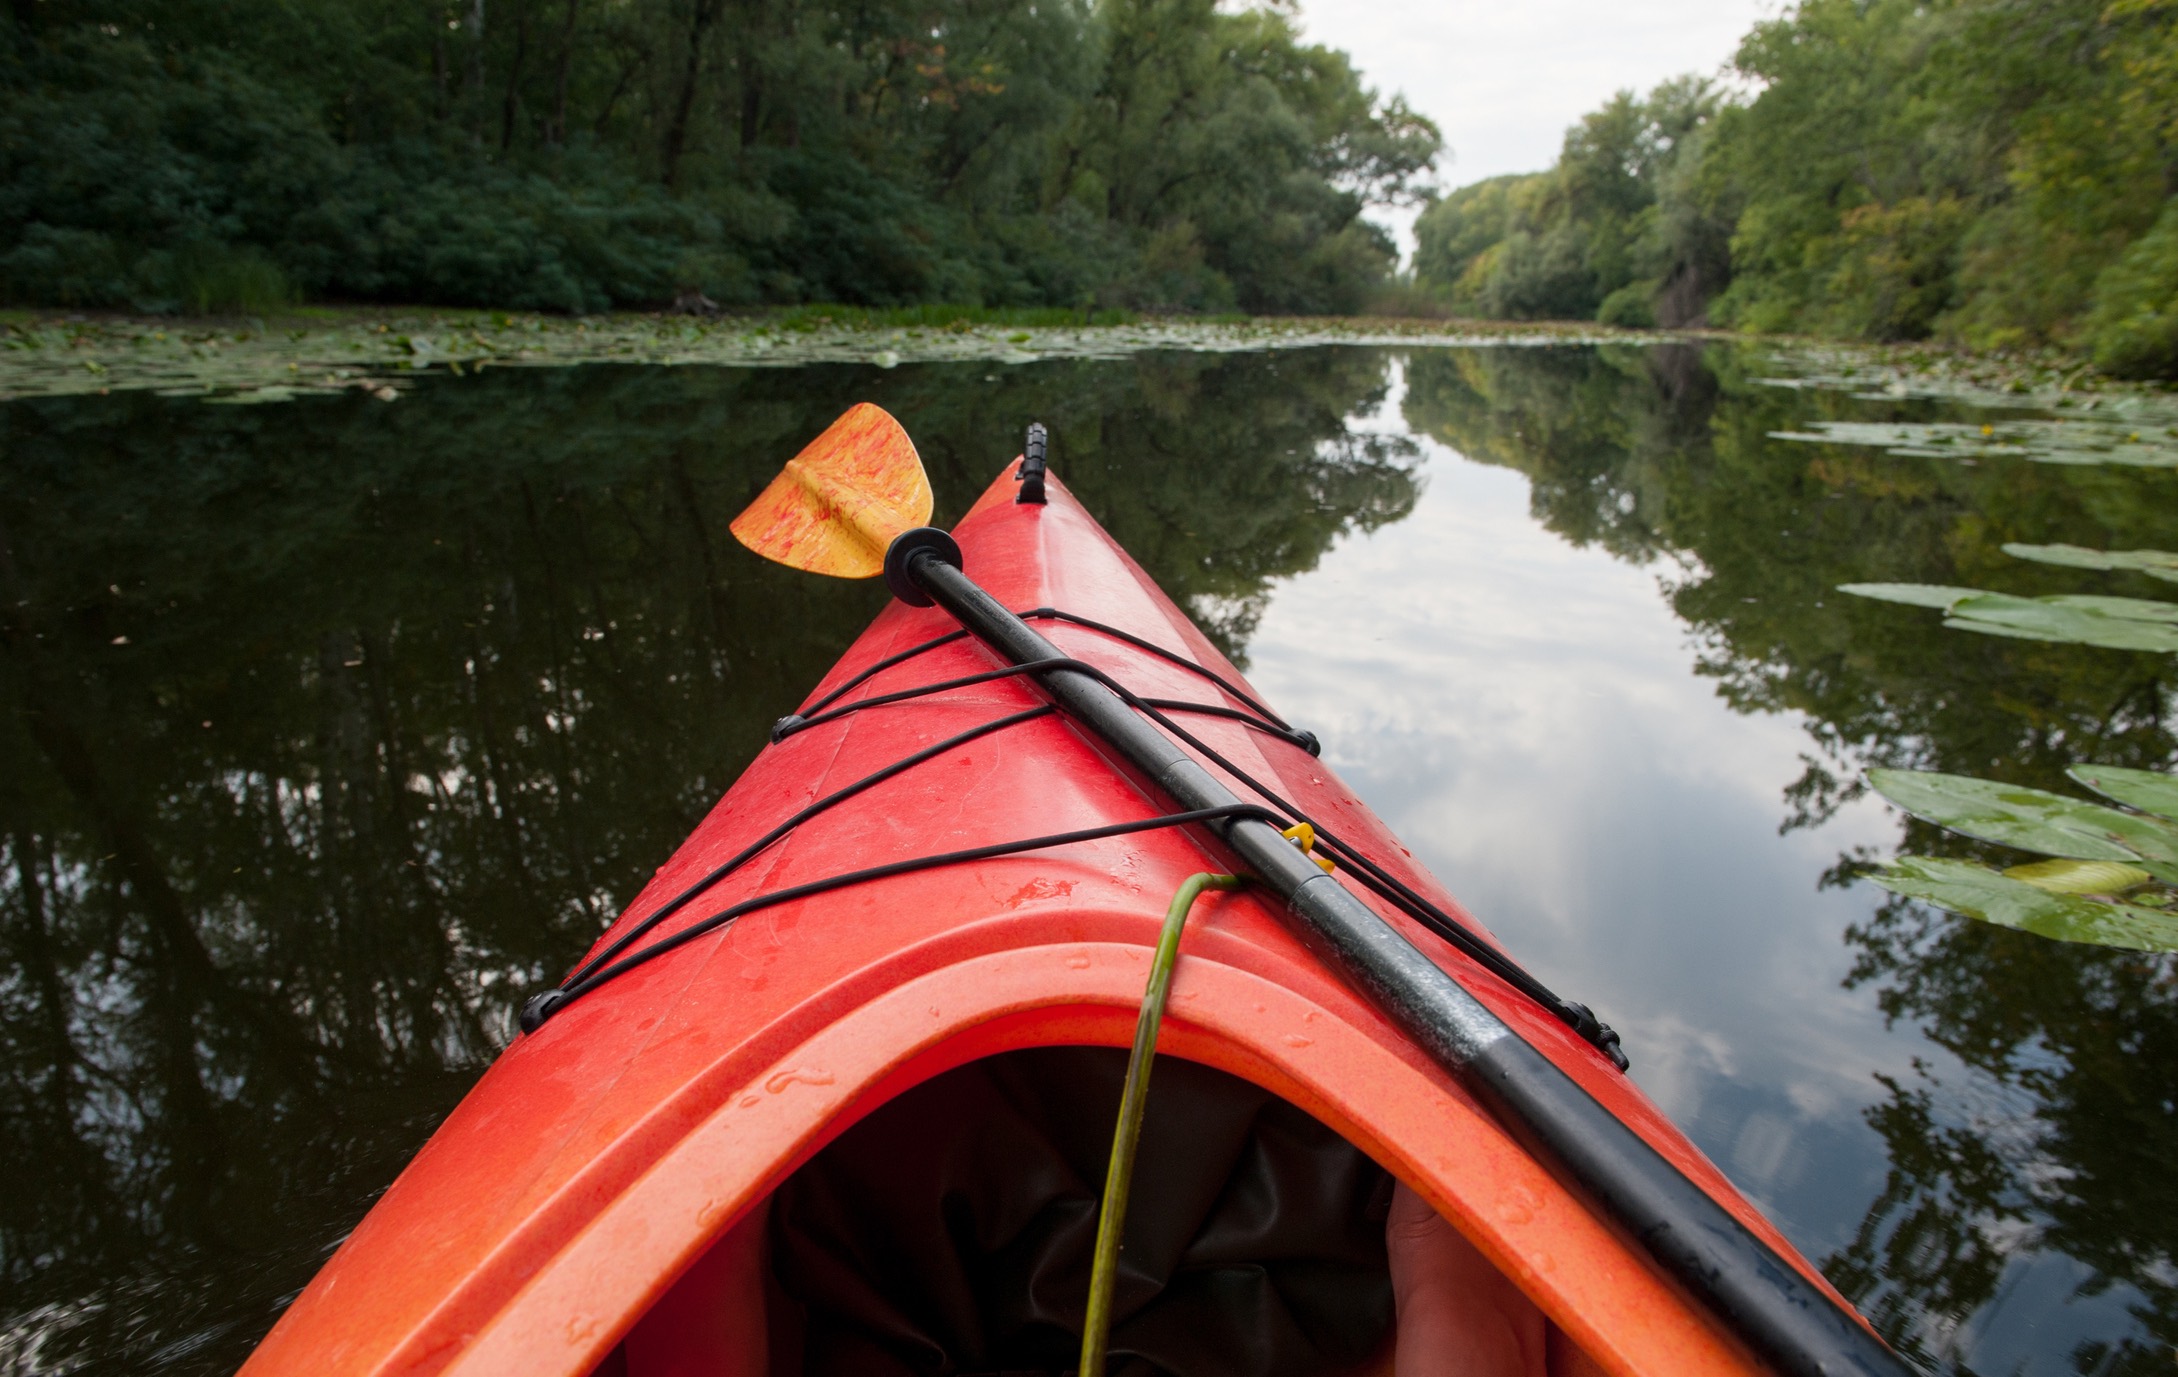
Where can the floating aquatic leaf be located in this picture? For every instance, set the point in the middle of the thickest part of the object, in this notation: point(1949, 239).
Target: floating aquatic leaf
point(2162, 564)
point(2080, 619)
point(2031, 819)
point(2073, 618)
point(331, 351)
point(2124, 609)
point(2147, 790)
point(1979, 892)
point(2069, 440)
point(1934, 595)
point(255, 396)
point(2080, 877)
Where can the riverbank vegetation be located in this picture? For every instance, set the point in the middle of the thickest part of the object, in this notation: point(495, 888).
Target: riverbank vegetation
point(577, 155)
point(316, 350)
point(1992, 173)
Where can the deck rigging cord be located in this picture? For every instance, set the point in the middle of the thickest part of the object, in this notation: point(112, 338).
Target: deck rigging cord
point(545, 1005)
point(789, 726)
point(604, 966)
point(1041, 614)
point(1367, 872)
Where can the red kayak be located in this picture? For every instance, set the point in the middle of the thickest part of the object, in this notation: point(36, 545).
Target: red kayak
point(861, 1130)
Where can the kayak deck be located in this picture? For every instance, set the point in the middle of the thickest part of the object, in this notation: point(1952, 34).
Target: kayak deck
point(619, 1161)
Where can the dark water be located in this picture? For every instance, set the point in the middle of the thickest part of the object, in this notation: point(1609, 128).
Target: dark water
point(332, 727)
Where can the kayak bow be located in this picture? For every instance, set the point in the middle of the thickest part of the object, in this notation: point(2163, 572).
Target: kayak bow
point(621, 1161)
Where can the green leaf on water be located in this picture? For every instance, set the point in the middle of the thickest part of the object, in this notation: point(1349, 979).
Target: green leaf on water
point(2067, 618)
point(2148, 790)
point(2076, 619)
point(2126, 609)
point(1912, 594)
point(2066, 440)
point(2030, 819)
point(2071, 556)
point(1979, 892)
point(2079, 877)
point(2162, 564)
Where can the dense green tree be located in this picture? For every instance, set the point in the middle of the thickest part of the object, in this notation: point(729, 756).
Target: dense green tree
point(1606, 233)
point(573, 155)
point(1994, 172)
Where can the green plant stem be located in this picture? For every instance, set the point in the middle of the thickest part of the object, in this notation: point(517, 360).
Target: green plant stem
point(1112, 1216)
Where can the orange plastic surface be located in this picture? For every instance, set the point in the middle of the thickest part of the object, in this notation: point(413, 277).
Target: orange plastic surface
point(835, 506)
point(600, 1157)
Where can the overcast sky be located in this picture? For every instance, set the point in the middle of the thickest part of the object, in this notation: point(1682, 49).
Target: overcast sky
point(1503, 79)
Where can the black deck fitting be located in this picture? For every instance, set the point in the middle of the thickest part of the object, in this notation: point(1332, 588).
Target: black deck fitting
point(1031, 476)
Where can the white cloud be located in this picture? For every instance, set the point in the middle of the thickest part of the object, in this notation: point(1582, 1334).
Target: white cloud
point(1532, 726)
point(1504, 81)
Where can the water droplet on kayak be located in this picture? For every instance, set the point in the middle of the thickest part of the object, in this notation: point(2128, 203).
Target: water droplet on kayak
point(1039, 888)
point(807, 1075)
point(1519, 1205)
point(1296, 1040)
point(1077, 961)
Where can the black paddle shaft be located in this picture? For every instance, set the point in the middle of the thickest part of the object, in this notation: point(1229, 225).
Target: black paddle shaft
point(1763, 1299)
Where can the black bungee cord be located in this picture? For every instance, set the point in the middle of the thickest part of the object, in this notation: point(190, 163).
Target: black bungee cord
point(576, 988)
point(1305, 740)
point(699, 886)
point(1373, 877)
point(813, 714)
point(789, 726)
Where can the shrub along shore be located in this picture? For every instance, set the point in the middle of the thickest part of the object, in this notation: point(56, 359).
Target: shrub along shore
point(581, 156)
point(1991, 175)
point(384, 350)
point(1987, 173)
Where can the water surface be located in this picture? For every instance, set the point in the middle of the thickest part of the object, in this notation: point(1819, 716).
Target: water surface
point(333, 726)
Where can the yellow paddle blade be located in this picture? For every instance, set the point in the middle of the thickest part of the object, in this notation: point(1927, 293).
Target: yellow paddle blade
point(835, 506)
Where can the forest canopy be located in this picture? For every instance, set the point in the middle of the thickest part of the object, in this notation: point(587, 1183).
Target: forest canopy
point(584, 154)
point(1995, 173)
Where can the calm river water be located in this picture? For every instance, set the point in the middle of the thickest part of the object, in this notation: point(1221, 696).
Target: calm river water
point(328, 728)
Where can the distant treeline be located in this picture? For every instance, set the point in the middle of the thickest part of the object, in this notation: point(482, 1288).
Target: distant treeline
point(1993, 172)
point(580, 154)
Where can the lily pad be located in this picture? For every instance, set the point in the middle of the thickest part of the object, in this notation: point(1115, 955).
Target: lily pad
point(335, 349)
point(2079, 619)
point(1934, 595)
point(2079, 877)
point(2070, 618)
point(2148, 790)
point(2162, 564)
point(2032, 819)
point(2070, 440)
point(1979, 892)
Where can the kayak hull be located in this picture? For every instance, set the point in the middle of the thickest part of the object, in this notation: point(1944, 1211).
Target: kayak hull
point(603, 1157)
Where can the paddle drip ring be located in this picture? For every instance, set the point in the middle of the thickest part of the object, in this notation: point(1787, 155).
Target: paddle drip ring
point(905, 549)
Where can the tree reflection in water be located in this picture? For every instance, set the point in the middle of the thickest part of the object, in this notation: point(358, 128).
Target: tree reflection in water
point(2062, 1139)
point(332, 728)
